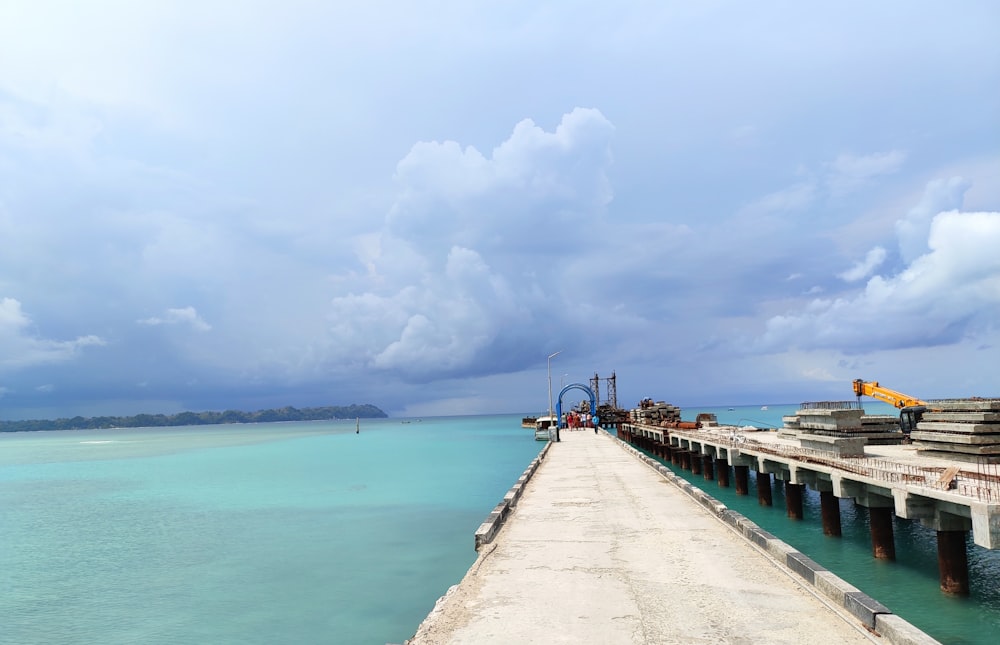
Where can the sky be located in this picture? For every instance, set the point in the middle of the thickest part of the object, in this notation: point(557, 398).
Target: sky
point(248, 204)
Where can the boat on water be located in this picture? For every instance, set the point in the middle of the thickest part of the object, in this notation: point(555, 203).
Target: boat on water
point(545, 428)
point(763, 407)
point(528, 422)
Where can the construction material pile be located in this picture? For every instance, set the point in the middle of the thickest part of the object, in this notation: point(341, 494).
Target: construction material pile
point(654, 414)
point(841, 419)
point(962, 429)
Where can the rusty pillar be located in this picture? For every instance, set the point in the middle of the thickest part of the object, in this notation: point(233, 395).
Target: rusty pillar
point(764, 489)
point(742, 479)
point(686, 459)
point(667, 450)
point(793, 500)
point(707, 467)
point(883, 545)
point(722, 469)
point(830, 508)
point(953, 562)
point(675, 456)
point(695, 463)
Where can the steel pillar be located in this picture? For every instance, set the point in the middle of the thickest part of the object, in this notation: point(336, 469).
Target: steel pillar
point(953, 562)
point(707, 466)
point(742, 474)
point(722, 468)
point(764, 497)
point(695, 463)
point(883, 545)
point(793, 500)
point(830, 508)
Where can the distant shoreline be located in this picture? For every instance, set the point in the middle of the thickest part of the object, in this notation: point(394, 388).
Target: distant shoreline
point(288, 413)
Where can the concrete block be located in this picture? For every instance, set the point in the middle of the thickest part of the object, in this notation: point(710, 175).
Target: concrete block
point(805, 566)
point(864, 607)
point(779, 550)
point(837, 446)
point(760, 537)
point(899, 632)
point(730, 517)
point(833, 587)
point(958, 428)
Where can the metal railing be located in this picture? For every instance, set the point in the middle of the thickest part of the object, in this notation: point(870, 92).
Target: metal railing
point(982, 484)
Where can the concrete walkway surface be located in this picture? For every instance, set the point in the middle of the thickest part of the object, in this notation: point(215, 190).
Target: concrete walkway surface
point(602, 549)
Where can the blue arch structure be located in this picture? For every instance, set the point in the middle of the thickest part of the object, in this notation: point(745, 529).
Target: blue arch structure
point(577, 386)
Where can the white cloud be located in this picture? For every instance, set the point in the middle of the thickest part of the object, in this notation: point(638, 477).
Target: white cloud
point(948, 294)
point(912, 231)
point(181, 316)
point(848, 173)
point(19, 348)
point(864, 268)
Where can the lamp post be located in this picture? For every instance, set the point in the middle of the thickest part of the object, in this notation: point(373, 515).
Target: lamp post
point(548, 363)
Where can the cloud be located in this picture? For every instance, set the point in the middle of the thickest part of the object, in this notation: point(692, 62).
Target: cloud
point(864, 268)
point(19, 348)
point(944, 296)
point(463, 278)
point(848, 173)
point(182, 316)
point(912, 231)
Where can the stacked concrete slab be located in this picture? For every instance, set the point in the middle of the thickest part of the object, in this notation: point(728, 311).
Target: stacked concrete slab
point(961, 429)
point(851, 423)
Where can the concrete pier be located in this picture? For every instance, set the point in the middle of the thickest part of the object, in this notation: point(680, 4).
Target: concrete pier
point(603, 546)
point(951, 497)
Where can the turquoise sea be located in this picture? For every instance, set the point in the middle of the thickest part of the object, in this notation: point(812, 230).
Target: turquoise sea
point(310, 533)
point(264, 533)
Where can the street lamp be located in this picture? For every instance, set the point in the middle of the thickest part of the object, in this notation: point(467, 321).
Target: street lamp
point(562, 381)
point(548, 363)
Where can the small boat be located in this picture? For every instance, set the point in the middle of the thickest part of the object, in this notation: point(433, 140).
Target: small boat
point(528, 422)
point(763, 407)
point(545, 428)
point(731, 409)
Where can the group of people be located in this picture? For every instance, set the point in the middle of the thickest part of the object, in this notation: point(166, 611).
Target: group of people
point(579, 420)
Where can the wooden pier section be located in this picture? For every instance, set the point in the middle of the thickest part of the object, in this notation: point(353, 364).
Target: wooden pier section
point(600, 544)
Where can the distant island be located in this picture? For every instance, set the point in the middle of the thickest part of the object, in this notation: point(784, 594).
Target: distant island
point(365, 411)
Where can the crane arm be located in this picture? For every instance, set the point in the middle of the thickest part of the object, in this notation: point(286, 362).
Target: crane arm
point(892, 397)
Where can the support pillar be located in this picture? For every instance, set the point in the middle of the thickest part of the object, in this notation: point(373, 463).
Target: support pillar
point(830, 508)
point(883, 545)
point(793, 500)
point(686, 459)
point(742, 474)
point(722, 468)
point(695, 463)
point(764, 497)
point(675, 456)
point(953, 562)
point(707, 467)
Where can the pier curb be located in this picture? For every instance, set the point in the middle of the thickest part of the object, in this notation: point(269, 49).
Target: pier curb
point(495, 520)
point(872, 614)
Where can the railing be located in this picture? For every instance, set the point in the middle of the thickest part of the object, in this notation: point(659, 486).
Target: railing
point(831, 405)
point(983, 484)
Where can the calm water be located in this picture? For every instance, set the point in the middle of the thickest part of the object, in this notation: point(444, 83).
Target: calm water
point(309, 533)
point(268, 533)
point(909, 585)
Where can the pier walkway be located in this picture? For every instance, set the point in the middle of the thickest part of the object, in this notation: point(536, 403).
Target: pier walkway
point(603, 549)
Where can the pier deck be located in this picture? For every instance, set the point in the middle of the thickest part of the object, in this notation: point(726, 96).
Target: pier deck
point(603, 549)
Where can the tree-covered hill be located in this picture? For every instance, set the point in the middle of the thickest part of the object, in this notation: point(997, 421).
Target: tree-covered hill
point(364, 411)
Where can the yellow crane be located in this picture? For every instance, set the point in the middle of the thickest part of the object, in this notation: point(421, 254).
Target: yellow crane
point(911, 409)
